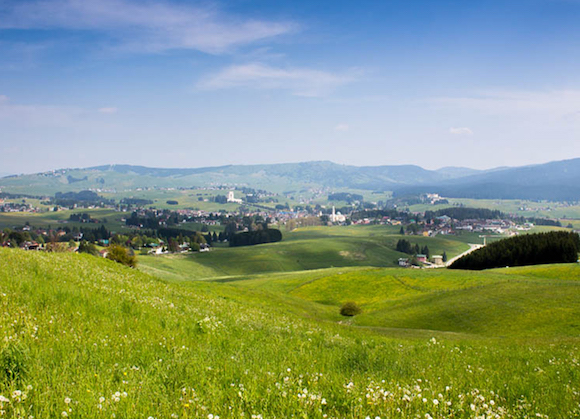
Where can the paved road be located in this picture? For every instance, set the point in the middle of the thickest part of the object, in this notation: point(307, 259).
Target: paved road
point(472, 247)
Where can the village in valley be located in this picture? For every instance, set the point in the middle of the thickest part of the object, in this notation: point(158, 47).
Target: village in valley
point(151, 226)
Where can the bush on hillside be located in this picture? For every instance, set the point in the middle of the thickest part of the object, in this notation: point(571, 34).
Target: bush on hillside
point(90, 248)
point(349, 309)
point(529, 249)
point(122, 255)
point(249, 238)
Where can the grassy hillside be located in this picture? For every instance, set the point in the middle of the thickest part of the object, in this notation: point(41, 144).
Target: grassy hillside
point(91, 338)
point(274, 177)
point(302, 249)
point(61, 219)
point(528, 302)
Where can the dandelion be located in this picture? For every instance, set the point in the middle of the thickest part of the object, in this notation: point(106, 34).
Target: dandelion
point(67, 400)
point(64, 414)
point(435, 402)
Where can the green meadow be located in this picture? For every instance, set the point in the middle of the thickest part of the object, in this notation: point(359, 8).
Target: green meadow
point(61, 219)
point(85, 337)
point(520, 207)
point(302, 249)
point(256, 332)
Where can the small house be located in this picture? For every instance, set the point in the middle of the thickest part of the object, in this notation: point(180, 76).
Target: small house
point(437, 260)
point(421, 258)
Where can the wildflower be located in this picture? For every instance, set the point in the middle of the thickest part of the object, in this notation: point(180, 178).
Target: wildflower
point(16, 393)
point(67, 400)
point(4, 399)
point(64, 414)
point(435, 402)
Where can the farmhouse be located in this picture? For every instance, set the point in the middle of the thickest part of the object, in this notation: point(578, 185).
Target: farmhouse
point(404, 262)
point(437, 260)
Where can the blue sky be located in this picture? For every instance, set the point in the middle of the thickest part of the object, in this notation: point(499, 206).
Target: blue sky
point(188, 84)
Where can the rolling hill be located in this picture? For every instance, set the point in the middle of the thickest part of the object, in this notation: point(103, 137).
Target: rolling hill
point(557, 181)
point(91, 338)
point(550, 181)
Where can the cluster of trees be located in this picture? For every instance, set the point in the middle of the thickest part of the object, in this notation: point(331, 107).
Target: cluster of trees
point(345, 196)
point(545, 222)
point(529, 249)
point(136, 201)
point(405, 246)
point(249, 238)
point(466, 213)
point(82, 218)
point(220, 199)
point(72, 179)
point(82, 198)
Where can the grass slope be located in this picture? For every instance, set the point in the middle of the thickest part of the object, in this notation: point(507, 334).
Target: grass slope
point(533, 302)
point(84, 337)
point(302, 249)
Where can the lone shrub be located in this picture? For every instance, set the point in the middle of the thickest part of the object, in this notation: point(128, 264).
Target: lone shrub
point(350, 309)
point(13, 363)
point(122, 255)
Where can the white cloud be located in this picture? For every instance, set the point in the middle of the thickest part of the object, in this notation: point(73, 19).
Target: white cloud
point(543, 104)
point(151, 26)
point(341, 127)
point(300, 81)
point(38, 114)
point(108, 110)
point(460, 131)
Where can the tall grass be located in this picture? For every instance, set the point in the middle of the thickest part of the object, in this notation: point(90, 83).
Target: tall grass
point(84, 337)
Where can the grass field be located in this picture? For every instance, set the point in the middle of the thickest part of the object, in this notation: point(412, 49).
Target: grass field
point(538, 301)
point(521, 207)
point(91, 338)
point(302, 249)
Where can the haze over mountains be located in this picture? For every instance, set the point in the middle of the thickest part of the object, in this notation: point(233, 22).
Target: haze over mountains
point(558, 180)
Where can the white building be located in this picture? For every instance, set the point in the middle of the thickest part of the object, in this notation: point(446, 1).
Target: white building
point(232, 198)
point(337, 217)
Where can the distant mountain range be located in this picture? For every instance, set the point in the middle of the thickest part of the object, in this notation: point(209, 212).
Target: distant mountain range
point(552, 181)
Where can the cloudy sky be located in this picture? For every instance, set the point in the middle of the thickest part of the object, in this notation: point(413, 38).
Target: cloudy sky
point(175, 83)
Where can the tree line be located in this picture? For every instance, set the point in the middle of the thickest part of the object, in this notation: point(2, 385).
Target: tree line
point(529, 249)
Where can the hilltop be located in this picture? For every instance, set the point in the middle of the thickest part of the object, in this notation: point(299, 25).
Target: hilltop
point(554, 181)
